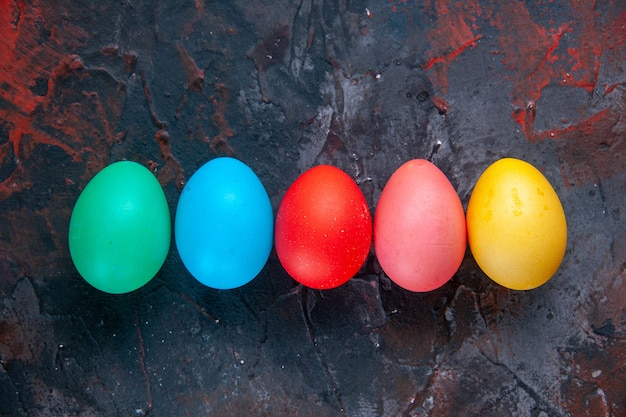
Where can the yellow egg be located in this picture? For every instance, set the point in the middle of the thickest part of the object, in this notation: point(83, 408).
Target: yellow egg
point(516, 225)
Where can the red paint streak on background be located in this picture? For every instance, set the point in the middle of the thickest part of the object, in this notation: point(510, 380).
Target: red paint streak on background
point(535, 57)
point(593, 148)
point(614, 43)
point(529, 54)
point(451, 55)
point(193, 74)
point(172, 171)
point(453, 33)
point(582, 391)
point(35, 53)
point(219, 101)
point(586, 58)
point(30, 49)
point(536, 54)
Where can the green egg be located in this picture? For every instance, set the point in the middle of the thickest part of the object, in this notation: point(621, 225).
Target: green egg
point(120, 228)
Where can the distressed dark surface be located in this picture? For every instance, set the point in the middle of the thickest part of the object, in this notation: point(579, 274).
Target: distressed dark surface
point(284, 86)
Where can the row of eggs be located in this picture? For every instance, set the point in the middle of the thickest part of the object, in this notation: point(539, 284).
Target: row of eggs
point(120, 228)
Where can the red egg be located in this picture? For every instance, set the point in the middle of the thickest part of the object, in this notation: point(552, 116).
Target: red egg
point(323, 230)
point(419, 227)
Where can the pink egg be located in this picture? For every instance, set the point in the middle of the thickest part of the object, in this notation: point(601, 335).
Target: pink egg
point(419, 227)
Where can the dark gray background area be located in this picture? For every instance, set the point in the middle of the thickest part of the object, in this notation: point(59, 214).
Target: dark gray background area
point(284, 86)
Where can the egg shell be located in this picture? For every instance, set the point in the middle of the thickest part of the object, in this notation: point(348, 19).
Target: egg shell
point(419, 227)
point(323, 228)
point(224, 224)
point(516, 225)
point(120, 228)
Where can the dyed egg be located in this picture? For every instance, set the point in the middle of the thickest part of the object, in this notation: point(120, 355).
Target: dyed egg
point(120, 228)
point(419, 227)
point(224, 224)
point(323, 228)
point(516, 225)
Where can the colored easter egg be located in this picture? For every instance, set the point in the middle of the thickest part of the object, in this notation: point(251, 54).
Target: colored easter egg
point(224, 224)
point(323, 228)
point(120, 228)
point(419, 227)
point(516, 225)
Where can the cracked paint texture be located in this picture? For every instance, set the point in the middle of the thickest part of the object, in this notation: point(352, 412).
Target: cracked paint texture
point(283, 86)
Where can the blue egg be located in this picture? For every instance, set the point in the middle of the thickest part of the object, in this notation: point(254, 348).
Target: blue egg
point(224, 224)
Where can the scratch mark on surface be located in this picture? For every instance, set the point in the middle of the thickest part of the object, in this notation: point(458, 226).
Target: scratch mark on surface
point(306, 313)
point(142, 364)
point(545, 405)
point(198, 307)
point(18, 393)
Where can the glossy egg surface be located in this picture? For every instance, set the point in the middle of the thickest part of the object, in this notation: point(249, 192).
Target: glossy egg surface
point(120, 228)
point(516, 225)
point(224, 224)
point(323, 228)
point(419, 227)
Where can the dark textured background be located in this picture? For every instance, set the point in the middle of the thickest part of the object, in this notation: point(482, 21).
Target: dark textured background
point(283, 86)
